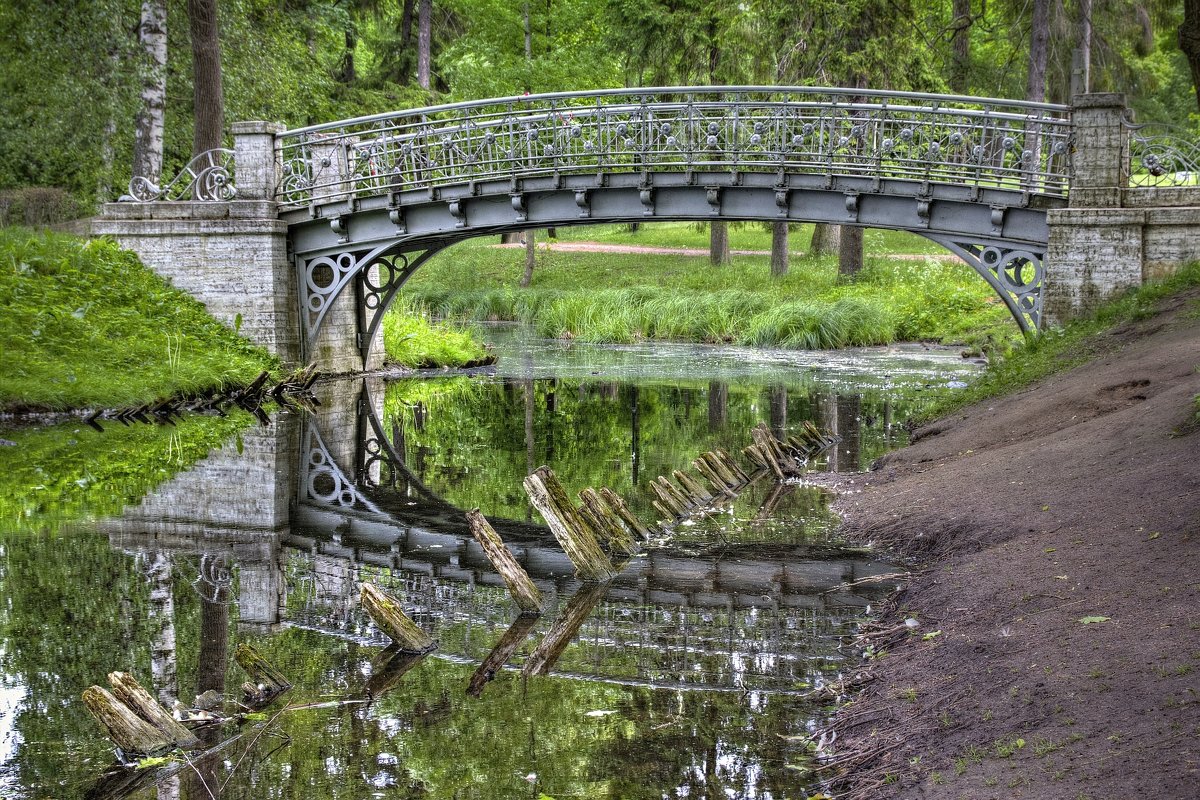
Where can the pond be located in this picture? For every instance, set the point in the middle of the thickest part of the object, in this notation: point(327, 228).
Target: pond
point(157, 550)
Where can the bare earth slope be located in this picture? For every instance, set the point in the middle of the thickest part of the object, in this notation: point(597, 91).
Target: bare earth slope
point(1077, 498)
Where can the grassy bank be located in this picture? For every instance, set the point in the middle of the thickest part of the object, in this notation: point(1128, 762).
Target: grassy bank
point(411, 340)
point(85, 324)
point(625, 297)
point(1059, 350)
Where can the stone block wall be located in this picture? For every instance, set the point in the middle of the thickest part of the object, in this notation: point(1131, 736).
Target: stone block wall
point(230, 256)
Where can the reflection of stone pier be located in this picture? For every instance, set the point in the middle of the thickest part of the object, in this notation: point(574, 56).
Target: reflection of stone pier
point(230, 510)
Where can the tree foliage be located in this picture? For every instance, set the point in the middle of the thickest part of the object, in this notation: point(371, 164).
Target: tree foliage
point(72, 73)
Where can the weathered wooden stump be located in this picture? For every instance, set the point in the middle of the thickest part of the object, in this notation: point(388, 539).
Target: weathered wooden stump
point(392, 620)
point(549, 497)
point(127, 690)
point(517, 633)
point(603, 518)
point(519, 584)
point(128, 731)
point(618, 505)
point(266, 682)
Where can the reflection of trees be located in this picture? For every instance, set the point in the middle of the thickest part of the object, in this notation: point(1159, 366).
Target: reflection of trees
point(477, 440)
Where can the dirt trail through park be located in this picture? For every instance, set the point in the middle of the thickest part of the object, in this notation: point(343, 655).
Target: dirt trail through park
point(1058, 536)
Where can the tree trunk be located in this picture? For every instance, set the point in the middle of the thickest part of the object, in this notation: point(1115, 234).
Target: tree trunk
point(1085, 43)
point(424, 41)
point(718, 243)
point(779, 248)
point(1189, 40)
point(850, 251)
point(530, 258)
point(960, 45)
point(1039, 48)
point(214, 645)
point(148, 141)
point(207, 94)
point(826, 239)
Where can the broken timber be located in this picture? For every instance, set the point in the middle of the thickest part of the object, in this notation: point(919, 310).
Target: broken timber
point(564, 629)
point(126, 689)
point(392, 620)
point(129, 732)
point(266, 683)
point(516, 634)
point(520, 585)
point(569, 527)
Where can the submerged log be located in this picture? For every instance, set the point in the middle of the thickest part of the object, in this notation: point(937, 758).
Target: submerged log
point(564, 629)
point(127, 690)
point(618, 505)
point(547, 495)
point(516, 634)
point(267, 683)
point(392, 620)
point(519, 584)
point(605, 518)
point(128, 731)
point(392, 665)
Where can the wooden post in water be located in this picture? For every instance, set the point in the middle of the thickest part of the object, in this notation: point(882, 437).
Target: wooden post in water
point(519, 584)
point(392, 620)
point(564, 629)
point(604, 518)
point(391, 665)
point(704, 468)
point(127, 730)
point(693, 487)
point(517, 633)
point(547, 495)
point(266, 682)
point(618, 505)
point(127, 690)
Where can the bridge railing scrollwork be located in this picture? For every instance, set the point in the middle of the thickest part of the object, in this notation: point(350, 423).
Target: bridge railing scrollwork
point(1162, 155)
point(987, 143)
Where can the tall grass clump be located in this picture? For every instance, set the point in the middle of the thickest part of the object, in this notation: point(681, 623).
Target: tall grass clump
point(813, 325)
point(411, 340)
point(85, 324)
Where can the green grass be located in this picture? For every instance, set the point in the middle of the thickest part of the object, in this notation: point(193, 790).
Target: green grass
point(1060, 350)
point(411, 340)
point(85, 324)
point(613, 297)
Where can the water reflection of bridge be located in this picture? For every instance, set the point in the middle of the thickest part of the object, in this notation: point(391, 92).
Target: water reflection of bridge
point(300, 535)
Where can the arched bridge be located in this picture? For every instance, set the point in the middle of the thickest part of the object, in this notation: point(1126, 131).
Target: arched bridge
point(360, 204)
point(975, 175)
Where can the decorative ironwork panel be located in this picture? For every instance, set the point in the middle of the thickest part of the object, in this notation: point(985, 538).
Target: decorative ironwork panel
point(966, 141)
point(322, 480)
point(207, 177)
point(1161, 155)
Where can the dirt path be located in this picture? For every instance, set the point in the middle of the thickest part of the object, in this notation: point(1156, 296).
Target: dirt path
point(635, 249)
point(1058, 653)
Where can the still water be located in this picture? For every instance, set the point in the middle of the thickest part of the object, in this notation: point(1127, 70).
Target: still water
point(157, 550)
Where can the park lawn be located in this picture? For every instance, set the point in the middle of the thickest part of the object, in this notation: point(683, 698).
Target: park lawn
point(625, 297)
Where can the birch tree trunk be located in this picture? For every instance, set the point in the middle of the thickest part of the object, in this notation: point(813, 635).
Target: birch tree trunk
point(148, 132)
point(424, 41)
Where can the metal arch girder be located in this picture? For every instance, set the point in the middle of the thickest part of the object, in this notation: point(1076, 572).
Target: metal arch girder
point(378, 448)
point(375, 299)
point(318, 466)
point(1016, 273)
point(339, 270)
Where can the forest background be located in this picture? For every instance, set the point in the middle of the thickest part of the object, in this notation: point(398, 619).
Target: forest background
point(77, 78)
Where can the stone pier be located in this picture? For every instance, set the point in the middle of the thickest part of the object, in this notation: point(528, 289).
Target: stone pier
point(1112, 237)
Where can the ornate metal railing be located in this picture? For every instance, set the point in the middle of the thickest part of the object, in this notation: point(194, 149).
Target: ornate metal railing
point(937, 138)
point(207, 177)
point(1162, 155)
